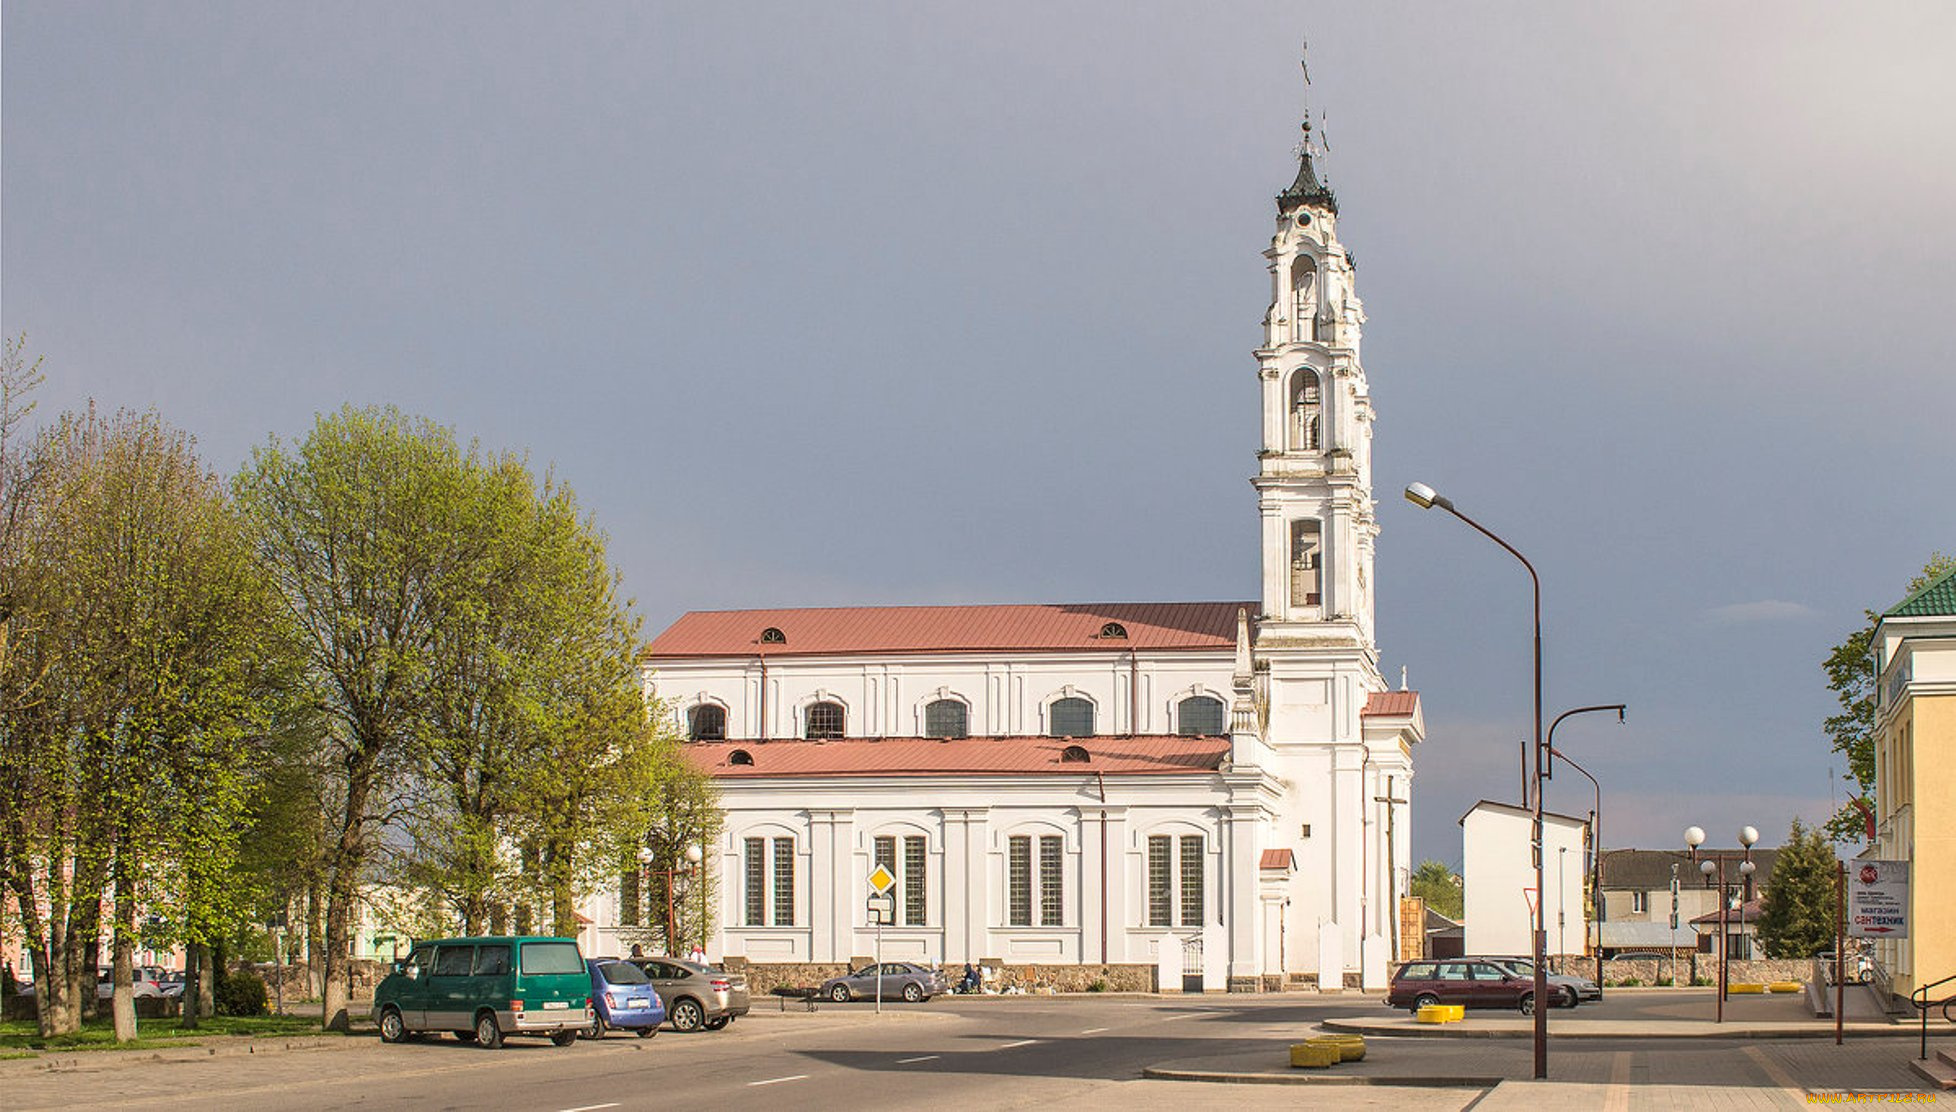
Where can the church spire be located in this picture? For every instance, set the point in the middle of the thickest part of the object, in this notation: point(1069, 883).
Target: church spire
point(1307, 189)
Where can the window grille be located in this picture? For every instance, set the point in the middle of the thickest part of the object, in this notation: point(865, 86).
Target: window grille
point(946, 718)
point(1018, 881)
point(1199, 716)
point(784, 882)
point(756, 887)
point(1071, 717)
point(826, 720)
point(1191, 880)
point(1050, 881)
point(707, 722)
point(1159, 881)
point(913, 882)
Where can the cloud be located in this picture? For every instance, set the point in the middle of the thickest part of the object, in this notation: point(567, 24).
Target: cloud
point(1765, 610)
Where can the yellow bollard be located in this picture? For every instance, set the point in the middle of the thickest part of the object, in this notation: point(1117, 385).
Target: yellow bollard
point(1314, 1056)
point(1745, 989)
point(1351, 1048)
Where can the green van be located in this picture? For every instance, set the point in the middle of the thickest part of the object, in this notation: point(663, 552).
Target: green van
point(484, 989)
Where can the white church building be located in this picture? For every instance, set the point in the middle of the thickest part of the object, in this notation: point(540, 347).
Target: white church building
point(1210, 792)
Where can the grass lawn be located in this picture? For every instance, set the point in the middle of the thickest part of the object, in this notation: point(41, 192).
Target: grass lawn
point(99, 1034)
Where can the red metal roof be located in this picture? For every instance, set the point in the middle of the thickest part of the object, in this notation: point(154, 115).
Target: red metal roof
point(1148, 754)
point(1387, 704)
point(1151, 626)
point(1276, 859)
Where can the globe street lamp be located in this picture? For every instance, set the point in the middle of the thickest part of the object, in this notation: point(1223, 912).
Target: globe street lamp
point(694, 855)
point(645, 856)
point(1714, 865)
point(1425, 497)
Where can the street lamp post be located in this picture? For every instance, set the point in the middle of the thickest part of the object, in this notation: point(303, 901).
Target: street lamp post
point(1425, 497)
point(1595, 855)
point(1596, 835)
point(645, 856)
point(1714, 863)
point(694, 856)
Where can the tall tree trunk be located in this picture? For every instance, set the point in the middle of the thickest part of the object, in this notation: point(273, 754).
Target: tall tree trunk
point(207, 971)
point(315, 931)
point(563, 901)
point(343, 888)
point(85, 937)
point(123, 963)
point(194, 961)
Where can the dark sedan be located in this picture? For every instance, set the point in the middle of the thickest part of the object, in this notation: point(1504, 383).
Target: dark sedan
point(1474, 984)
point(900, 980)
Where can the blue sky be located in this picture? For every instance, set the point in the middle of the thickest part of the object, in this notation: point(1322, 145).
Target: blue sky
point(905, 303)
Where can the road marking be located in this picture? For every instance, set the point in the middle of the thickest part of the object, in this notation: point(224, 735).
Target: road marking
point(1010, 1045)
point(778, 1080)
point(1093, 1030)
point(591, 1107)
point(1189, 1015)
point(919, 1058)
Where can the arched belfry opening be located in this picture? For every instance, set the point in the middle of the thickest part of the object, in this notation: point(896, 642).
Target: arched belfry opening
point(1306, 412)
point(1306, 563)
point(1304, 298)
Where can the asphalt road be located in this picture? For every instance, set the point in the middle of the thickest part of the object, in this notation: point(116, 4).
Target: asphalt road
point(988, 1053)
point(1014, 1052)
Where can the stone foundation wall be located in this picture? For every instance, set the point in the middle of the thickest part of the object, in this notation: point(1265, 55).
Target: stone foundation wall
point(764, 977)
point(1686, 969)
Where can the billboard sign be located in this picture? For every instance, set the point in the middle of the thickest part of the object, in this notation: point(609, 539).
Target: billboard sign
point(1877, 899)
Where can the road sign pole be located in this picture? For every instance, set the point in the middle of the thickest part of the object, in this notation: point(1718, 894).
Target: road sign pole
point(879, 964)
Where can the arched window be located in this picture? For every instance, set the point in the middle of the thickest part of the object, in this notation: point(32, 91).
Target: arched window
point(1075, 754)
point(1071, 717)
point(1304, 298)
point(740, 757)
point(773, 636)
point(1306, 412)
point(706, 722)
point(1113, 631)
point(946, 718)
point(1199, 716)
point(826, 719)
point(1305, 571)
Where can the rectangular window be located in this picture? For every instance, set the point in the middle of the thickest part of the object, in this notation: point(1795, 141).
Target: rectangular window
point(1050, 881)
point(1191, 880)
point(784, 882)
point(629, 899)
point(756, 887)
point(1640, 901)
point(1018, 882)
point(913, 881)
point(1159, 905)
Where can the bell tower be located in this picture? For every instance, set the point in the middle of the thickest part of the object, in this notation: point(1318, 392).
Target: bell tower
point(1313, 480)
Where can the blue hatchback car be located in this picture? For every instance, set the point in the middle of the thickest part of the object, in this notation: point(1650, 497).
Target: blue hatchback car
point(622, 997)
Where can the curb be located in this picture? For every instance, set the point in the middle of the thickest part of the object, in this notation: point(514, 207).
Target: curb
point(61, 1061)
point(1436, 1031)
point(1158, 1073)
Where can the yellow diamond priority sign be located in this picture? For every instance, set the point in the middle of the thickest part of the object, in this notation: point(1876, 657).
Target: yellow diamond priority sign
point(881, 879)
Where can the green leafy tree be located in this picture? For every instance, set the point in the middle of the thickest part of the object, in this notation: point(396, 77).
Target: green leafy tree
point(1797, 910)
point(1439, 887)
point(1850, 675)
point(137, 646)
point(358, 528)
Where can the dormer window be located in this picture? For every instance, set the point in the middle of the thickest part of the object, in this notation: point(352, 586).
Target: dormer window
point(1306, 412)
point(1075, 754)
point(740, 757)
point(773, 636)
point(1113, 631)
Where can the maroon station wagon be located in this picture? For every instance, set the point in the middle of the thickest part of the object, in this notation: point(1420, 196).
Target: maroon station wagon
point(1476, 984)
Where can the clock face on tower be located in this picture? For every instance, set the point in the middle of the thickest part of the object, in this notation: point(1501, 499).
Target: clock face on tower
point(1303, 219)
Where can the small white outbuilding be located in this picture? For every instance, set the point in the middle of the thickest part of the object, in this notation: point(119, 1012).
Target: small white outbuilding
point(1499, 879)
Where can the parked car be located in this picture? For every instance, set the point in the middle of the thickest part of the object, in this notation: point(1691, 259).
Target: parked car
point(144, 980)
point(914, 983)
point(696, 996)
point(1571, 989)
point(484, 989)
point(1474, 983)
point(622, 997)
point(173, 984)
